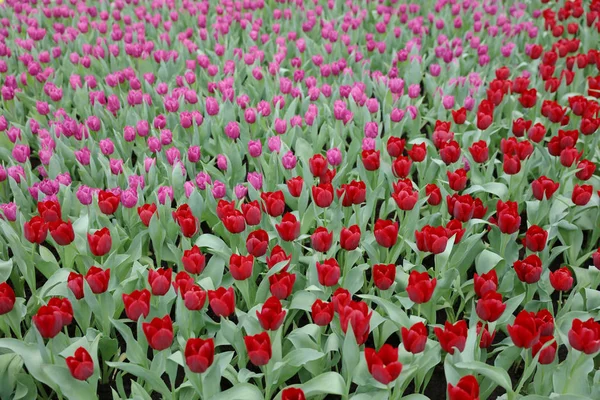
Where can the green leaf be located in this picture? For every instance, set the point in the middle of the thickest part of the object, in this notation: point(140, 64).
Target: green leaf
point(326, 383)
point(498, 375)
point(242, 391)
point(153, 379)
point(350, 353)
point(299, 357)
point(70, 387)
point(214, 243)
point(5, 269)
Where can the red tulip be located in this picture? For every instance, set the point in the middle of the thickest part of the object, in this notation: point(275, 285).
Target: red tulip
point(252, 213)
point(415, 338)
point(536, 133)
point(199, 354)
point(323, 195)
point(520, 126)
point(98, 279)
point(321, 239)
point(146, 212)
point(384, 275)
point(528, 98)
point(137, 304)
point(160, 280)
point(548, 354)
point(457, 180)
point(479, 151)
point(596, 259)
point(544, 322)
point(485, 283)
point(507, 215)
point(193, 296)
point(383, 364)
point(322, 312)
point(461, 207)
point(193, 260)
point(467, 388)
point(318, 165)
point(350, 237)
point(432, 239)
point(108, 202)
point(358, 316)
point(257, 243)
point(159, 332)
point(418, 152)
point(7, 298)
point(582, 194)
point(295, 186)
point(455, 228)
point(511, 164)
point(420, 287)
point(453, 336)
point(584, 336)
point(272, 314)
point(289, 228)
point(586, 170)
point(401, 166)
point(370, 159)
point(62, 232)
point(64, 308)
point(49, 210)
point(459, 116)
point(81, 365)
point(561, 279)
point(544, 188)
point(328, 272)
point(386, 232)
point(35, 230)
point(450, 152)
point(490, 307)
point(259, 348)
point(273, 202)
point(486, 337)
point(340, 299)
point(48, 321)
point(404, 195)
point(351, 193)
point(222, 301)
point(524, 332)
point(100, 242)
point(186, 220)
point(278, 255)
point(535, 238)
point(434, 194)
point(529, 270)
point(395, 146)
point(292, 394)
point(234, 221)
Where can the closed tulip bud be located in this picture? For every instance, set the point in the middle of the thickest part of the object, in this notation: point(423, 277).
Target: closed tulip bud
point(350, 237)
point(535, 238)
point(80, 364)
point(529, 270)
point(321, 239)
point(524, 332)
point(258, 348)
point(35, 230)
point(222, 301)
point(159, 332)
point(322, 312)
point(98, 279)
point(62, 232)
point(137, 304)
point(453, 336)
point(561, 279)
point(292, 394)
point(271, 315)
point(467, 388)
point(548, 353)
point(490, 307)
point(160, 280)
point(582, 194)
point(7, 298)
point(383, 364)
point(100, 242)
point(415, 338)
point(199, 354)
point(386, 232)
point(282, 284)
point(584, 336)
point(289, 228)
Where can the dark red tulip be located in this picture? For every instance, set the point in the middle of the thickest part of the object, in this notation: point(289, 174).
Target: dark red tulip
point(222, 301)
point(485, 283)
point(98, 279)
point(582, 194)
point(486, 337)
point(383, 364)
point(415, 338)
point(259, 348)
point(80, 364)
point(524, 332)
point(520, 126)
point(137, 304)
point(418, 152)
point(461, 207)
point(561, 279)
point(257, 243)
point(529, 270)
point(234, 221)
point(479, 151)
point(295, 186)
point(596, 259)
point(271, 315)
point(586, 170)
point(490, 307)
point(386, 232)
point(507, 216)
point(459, 116)
point(193, 260)
point(278, 255)
point(318, 165)
point(434, 194)
point(146, 212)
point(404, 195)
point(273, 203)
point(535, 238)
point(7, 298)
point(199, 354)
point(544, 322)
point(358, 315)
point(384, 275)
point(292, 394)
point(321, 239)
point(584, 336)
point(455, 228)
point(252, 213)
point(100, 242)
point(544, 188)
point(340, 299)
point(370, 159)
point(160, 280)
point(548, 354)
point(350, 237)
point(420, 287)
point(511, 164)
point(323, 195)
point(159, 332)
point(351, 193)
point(193, 296)
point(395, 146)
point(48, 321)
point(49, 210)
point(432, 239)
point(108, 202)
point(450, 152)
point(401, 166)
point(241, 267)
point(62, 232)
point(289, 228)
point(64, 307)
point(467, 388)
point(453, 336)
point(35, 230)
point(322, 312)
point(186, 220)
point(328, 272)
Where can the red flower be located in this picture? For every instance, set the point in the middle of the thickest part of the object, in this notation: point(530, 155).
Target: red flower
point(273, 202)
point(418, 152)
point(48, 321)
point(520, 126)
point(596, 259)
point(234, 221)
point(528, 98)
point(490, 307)
point(485, 283)
point(524, 331)
point(323, 195)
point(49, 210)
point(35, 230)
point(432, 239)
point(193, 296)
point(420, 287)
point(252, 213)
point(241, 266)
point(395, 146)
point(507, 216)
point(459, 116)
point(62, 232)
point(272, 314)
point(386, 232)
point(186, 220)
point(529, 270)
point(292, 394)
point(582, 194)
point(318, 165)
point(561, 279)
point(108, 202)
point(479, 151)
point(193, 260)
point(461, 207)
point(357, 314)
point(257, 243)
point(295, 186)
point(289, 228)
point(434, 194)
point(383, 364)
point(370, 159)
point(544, 322)
point(350, 237)
point(146, 212)
point(452, 336)
point(401, 166)
point(404, 195)
point(80, 364)
point(536, 133)
point(137, 304)
point(384, 275)
point(259, 348)
point(354, 192)
point(224, 208)
point(544, 187)
point(64, 307)
point(328, 272)
point(340, 299)
point(322, 312)
point(7, 298)
point(569, 156)
point(585, 336)
point(415, 338)
point(321, 239)
point(278, 255)
point(467, 388)
point(586, 170)
point(454, 228)
point(535, 238)
point(98, 279)
point(511, 164)
point(160, 280)
point(450, 152)
point(548, 354)
point(199, 354)
point(100, 242)
point(222, 301)
point(486, 337)
point(159, 332)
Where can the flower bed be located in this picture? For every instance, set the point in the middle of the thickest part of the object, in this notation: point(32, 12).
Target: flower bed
point(269, 200)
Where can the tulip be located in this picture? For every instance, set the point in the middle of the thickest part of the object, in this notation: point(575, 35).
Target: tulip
point(370, 159)
point(386, 232)
point(146, 212)
point(453, 336)
point(273, 202)
point(160, 280)
point(467, 388)
point(561, 279)
point(108, 202)
point(234, 221)
point(193, 260)
point(241, 266)
point(358, 315)
point(222, 301)
point(289, 228)
point(485, 283)
point(259, 348)
point(80, 364)
point(461, 207)
point(35, 230)
point(282, 284)
point(186, 220)
point(544, 188)
point(292, 394)
point(584, 336)
point(100, 242)
point(524, 332)
point(48, 321)
point(433, 193)
point(199, 354)
point(529, 270)
point(420, 287)
point(535, 238)
point(193, 296)
point(137, 304)
point(257, 243)
point(317, 165)
point(548, 354)
point(62, 232)
point(401, 166)
point(418, 152)
point(7, 298)
point(432, 239)
point(49, 210)
point(350, 237)
point(354, 192)
point(395, 146)
point(581, 194)
point(383, 364)
point(159, 332)
point(486, 337)
point(328, 272)
point(490, 307)
point(271, 316)
point(295, 186)
point(384, 275)
point(278, 255)
point(323, 195)
point(98, 279)
point(415, 338)
point(322, 312)
point(251, 212)
point(404, 195)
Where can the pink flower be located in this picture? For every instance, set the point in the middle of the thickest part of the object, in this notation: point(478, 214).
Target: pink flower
point(274, 144)
point(232, 130)
point(289, 160)
point(254, 148)
point(255, 179)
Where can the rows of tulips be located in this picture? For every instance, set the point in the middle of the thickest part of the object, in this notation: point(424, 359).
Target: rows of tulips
point(297, 200)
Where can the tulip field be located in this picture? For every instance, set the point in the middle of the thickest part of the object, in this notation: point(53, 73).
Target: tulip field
point(301, 199)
